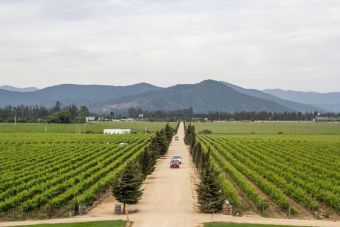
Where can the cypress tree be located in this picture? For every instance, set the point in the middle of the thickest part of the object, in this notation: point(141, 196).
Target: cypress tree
point(169, 132)
point(209, 191)
point(162, 142)
point(190, 136)
point(147, 162)
point(205, 159)
point(127, 188)
point(199, 156)
point(193, 152)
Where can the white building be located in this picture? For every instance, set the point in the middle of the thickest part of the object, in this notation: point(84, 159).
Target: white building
point(90, 119)
point(117, 131)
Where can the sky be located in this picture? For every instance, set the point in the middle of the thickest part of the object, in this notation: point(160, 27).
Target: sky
point(289, 44)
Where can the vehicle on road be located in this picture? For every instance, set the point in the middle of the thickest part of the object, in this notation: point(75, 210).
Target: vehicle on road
point(174, 163)
point(178, 158)
point(176, 137)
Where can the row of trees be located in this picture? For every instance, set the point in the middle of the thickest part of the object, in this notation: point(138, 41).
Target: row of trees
point(127, 188)
point(209, 190)
point(188, 114)
point(264, 116)
point(55, 114)
point(73, 113)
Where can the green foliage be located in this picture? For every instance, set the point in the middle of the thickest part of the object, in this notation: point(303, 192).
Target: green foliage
point(61, 117)
point(169, 132)
point(91, 127)
point(189, 138)
point(209, 191)
point(265, 127)
point(162, 139)
point(206, 131)
point(127, 188)
point(239, 179)
point(54, 170)
point(147, 161)
point(303, 168)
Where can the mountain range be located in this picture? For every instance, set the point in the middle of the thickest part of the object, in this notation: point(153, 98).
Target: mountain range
point(11, 88)
point(208, 95)
point(328, 101)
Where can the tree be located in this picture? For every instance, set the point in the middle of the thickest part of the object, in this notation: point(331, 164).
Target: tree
point(60, 117)
point(205, 159)
point(84, 111)
point(209, 191)
point(147, 162)
point(160, 143)
point(134, 112)
point(127, 188)
point(169, 132)
point(73, 110)
point(190, 138)
point(198, 156)
point(56, 107)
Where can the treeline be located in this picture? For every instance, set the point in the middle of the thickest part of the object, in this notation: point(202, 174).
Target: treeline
point(127, 187)
point(209, 191)
point(160, 114)
point(55, 114)
point(189, 114)
point(263, 116)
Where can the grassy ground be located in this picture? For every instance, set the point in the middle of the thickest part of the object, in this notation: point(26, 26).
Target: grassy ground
point(92, 127)
point(87, 224)
point(269, 127)
point(240, 225)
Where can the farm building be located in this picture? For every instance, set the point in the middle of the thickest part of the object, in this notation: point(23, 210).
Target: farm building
point(117, 131)
point(87, 119)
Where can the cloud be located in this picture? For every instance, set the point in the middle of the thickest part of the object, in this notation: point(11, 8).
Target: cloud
point(253, 43)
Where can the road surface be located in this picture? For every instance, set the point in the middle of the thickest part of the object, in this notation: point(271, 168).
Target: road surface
point(169, 194)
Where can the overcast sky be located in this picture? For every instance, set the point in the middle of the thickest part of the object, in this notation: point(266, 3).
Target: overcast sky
point(290, 44)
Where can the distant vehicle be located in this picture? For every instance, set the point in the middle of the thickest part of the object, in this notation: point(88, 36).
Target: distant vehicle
point(174, 163)
point(178, 158)
point(176, 138)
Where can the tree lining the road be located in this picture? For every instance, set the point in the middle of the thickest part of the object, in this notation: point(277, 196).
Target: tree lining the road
point(210, 195)
point(127, 188)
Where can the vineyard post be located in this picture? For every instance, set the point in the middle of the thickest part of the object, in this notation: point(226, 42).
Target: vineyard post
point(212, 215)
point(127, 219)
point(262, 208)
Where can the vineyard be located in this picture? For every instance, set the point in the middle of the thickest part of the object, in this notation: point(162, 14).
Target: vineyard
point(46, 173)
point(293, 173)
point(89, 128)
point(237, 127)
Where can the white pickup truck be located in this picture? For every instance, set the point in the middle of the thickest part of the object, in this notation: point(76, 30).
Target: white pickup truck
point(177, 158)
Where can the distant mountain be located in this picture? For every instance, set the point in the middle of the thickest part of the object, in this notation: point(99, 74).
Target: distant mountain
point(89, 95)
point(11, 88)
point(327, 101)
point(206, 96)
point(290, 104)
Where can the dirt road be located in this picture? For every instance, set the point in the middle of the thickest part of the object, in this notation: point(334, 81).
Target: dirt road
point(169, 201)
point(168, 197)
